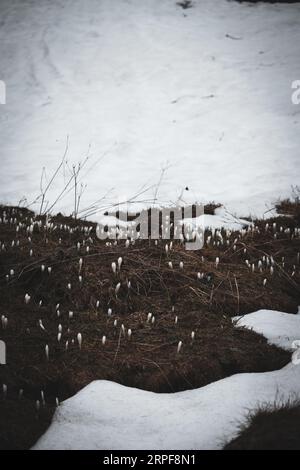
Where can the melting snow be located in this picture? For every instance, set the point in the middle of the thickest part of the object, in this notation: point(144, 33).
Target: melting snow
point(207, 89)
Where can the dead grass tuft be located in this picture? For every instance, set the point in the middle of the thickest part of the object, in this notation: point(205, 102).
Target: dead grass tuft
point(149, 359)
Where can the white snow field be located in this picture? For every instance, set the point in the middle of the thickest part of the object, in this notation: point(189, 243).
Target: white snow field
point(207, 89)
point(105, 415)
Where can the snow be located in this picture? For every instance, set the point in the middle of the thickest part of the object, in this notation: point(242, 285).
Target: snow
point(106, 415)
point(222, 218)
point(143, 83)
point(281, 329)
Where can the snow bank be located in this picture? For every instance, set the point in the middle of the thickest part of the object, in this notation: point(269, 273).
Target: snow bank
point(105, 415)
point(221, 219)
point(279, 328)
point(207, 89)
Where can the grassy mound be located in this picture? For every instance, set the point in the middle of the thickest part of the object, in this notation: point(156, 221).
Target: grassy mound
point(270, 428)
point(268, 1)
point(131, 335)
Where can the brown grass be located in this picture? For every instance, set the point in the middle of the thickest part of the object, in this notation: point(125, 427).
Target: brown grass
point(274, 427)
point(289, 208)
point(149, 360)
point(20, 424)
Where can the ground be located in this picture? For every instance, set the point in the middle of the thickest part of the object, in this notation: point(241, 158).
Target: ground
point(146, 83)
point(270, 428)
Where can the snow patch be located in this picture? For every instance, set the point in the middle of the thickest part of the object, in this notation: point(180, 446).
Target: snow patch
point(146, 83)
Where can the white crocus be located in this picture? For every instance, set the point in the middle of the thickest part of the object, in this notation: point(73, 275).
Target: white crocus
point(79, 339)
